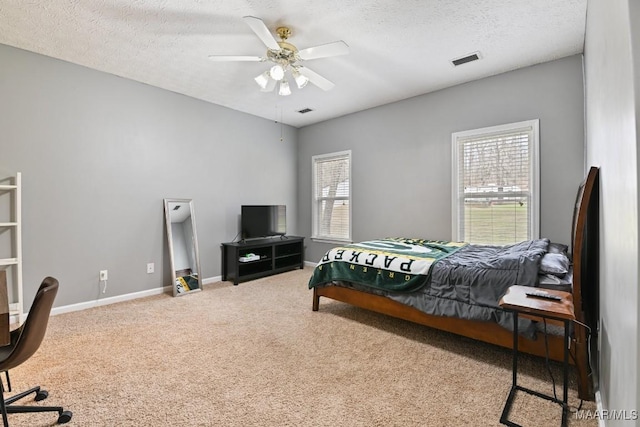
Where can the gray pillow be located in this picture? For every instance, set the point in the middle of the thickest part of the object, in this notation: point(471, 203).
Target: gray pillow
point(554, 263)
point(558, 248)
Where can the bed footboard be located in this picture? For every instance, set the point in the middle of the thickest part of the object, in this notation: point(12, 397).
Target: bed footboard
point(488, 332)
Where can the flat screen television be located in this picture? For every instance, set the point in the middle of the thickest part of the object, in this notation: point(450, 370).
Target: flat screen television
point(263, 221)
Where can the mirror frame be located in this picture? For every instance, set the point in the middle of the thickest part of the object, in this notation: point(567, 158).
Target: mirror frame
point(167, 216)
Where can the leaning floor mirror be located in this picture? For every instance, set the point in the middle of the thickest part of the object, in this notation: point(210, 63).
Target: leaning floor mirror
point(183, 246)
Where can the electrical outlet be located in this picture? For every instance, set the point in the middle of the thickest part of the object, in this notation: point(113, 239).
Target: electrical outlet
point(150, 268)
point(103, 275)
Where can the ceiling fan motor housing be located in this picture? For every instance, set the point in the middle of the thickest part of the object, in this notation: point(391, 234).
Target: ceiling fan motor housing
point(283, 32)
point(288, 53)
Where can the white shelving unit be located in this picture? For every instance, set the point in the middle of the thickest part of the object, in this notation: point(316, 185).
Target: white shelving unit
point(11, 258)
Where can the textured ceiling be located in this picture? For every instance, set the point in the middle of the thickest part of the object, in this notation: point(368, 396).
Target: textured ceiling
point(398, 49)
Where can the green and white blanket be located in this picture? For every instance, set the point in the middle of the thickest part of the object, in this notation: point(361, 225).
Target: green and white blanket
point(394, 264)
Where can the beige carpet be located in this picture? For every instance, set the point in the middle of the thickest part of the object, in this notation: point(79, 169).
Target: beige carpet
point(256, 355)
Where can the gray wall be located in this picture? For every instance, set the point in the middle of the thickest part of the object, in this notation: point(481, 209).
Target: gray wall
point(98, 154)
point(612, 76)
point(401, 162)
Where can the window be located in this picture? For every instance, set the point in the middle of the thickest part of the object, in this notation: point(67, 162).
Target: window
point(332, 196)
point(496, 184)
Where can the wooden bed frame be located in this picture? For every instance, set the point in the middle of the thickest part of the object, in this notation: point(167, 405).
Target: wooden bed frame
point(585, 296)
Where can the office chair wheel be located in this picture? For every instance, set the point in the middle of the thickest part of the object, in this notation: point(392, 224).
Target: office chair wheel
point(65, 417)
point(41, 395)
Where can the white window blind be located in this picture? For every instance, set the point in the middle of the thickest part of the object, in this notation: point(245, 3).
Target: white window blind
point(332, 196)
point(495, 184)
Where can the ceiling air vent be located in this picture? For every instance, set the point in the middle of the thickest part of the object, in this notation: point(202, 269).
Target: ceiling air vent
point(305, 110)
point(469, 58)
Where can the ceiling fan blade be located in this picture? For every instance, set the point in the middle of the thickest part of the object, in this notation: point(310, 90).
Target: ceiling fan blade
point(324, 50)
point(316, 78)
point(229, 58)
point(261, 30)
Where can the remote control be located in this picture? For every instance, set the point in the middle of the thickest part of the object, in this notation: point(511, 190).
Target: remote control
point(543, 295)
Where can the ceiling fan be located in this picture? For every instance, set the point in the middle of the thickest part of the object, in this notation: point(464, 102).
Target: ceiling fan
point(286, 58)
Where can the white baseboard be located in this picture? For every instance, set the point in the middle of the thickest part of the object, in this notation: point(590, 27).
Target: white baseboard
point(120, 298)
point(310, 264)
point(601, 420)
point(209, 280)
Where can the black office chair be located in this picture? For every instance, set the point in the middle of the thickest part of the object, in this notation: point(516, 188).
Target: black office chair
point(14, 337)
point(24, 343)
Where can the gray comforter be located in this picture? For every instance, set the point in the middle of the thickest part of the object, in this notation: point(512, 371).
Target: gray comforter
point(469, 283)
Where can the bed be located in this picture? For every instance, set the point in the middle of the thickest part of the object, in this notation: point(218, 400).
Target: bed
point(456, 287)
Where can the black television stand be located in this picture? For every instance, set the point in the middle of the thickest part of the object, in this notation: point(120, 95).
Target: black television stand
point(272, 256)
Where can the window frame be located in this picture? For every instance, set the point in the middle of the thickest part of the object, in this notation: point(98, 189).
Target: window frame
point(316, 199)
point(457, 199)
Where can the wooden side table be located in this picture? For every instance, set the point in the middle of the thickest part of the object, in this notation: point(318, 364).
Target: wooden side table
point(517, 301)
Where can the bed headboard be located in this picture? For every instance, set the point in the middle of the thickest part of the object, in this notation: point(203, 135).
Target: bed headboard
point(585, 250)
point(584, 247)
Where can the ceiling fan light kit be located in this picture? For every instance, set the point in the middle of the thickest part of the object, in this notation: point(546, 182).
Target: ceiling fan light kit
point(276, 72)
point(301, 81)
point(286, 57)
point(262, 79)
point(284, 90)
